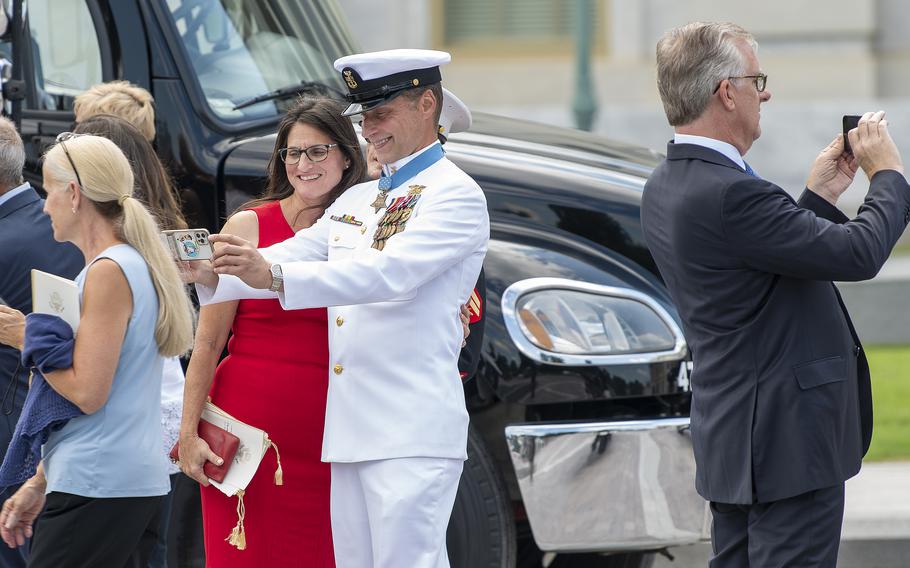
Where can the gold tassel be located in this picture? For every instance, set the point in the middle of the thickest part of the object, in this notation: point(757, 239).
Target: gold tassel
point(279, 473)
point(238, 536)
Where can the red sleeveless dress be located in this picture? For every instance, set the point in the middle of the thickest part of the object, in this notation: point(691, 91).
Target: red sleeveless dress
point(275, 378)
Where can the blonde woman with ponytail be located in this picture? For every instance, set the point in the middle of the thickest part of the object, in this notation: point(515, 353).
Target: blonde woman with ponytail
point(103, 473)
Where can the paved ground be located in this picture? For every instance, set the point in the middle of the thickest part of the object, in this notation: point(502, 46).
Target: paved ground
point(876, 531)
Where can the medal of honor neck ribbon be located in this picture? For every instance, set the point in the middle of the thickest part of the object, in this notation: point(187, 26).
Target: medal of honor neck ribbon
point(421, 162)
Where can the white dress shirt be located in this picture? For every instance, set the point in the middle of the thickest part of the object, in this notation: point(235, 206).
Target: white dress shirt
point(14, 192)
point(728, 150)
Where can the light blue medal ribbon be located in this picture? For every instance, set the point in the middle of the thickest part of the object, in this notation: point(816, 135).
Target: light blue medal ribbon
point(423, 161)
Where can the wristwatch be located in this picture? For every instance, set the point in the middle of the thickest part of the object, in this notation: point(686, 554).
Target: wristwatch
point(277, 277)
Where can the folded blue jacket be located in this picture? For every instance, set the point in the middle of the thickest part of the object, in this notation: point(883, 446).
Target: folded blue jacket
point(48, 346)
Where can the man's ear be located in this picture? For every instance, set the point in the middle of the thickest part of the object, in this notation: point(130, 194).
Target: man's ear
point(727, 94)
point(428, 102)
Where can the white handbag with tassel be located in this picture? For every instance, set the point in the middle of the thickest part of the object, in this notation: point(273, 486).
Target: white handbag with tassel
point(254, 443)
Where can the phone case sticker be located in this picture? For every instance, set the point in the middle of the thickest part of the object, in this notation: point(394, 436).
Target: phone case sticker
point(188, 246)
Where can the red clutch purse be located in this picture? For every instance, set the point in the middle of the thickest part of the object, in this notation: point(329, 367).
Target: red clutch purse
point(222, 442)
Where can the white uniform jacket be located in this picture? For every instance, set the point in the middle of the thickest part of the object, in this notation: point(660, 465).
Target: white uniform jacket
point(394, 329)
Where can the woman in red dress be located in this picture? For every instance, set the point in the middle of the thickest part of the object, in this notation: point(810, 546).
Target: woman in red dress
point(276, 374)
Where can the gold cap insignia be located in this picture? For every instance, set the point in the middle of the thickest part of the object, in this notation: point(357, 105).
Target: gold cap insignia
point(349, 79)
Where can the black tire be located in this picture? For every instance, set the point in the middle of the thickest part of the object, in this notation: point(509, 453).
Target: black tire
point(481, 531)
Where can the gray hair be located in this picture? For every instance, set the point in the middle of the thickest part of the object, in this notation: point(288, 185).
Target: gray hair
point(12, 155)
point(692, 60)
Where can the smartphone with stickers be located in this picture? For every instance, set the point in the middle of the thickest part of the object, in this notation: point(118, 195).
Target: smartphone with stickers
point(189, 244)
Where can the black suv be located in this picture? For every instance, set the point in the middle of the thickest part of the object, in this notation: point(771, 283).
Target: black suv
point(579, 447)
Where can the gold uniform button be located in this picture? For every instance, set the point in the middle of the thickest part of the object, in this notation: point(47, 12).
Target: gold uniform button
point(338, 369)
point(337, 237)
point(339, 321)
point(363, 229)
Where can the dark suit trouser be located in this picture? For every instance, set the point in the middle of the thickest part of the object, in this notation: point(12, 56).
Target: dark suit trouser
point(13, 390)
point(801, 531)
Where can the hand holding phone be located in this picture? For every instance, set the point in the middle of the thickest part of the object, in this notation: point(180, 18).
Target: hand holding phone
point(875, 151)
point(188, 244)
point(850, 121)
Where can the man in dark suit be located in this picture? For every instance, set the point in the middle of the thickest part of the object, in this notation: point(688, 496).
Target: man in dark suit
point(26, 242)
point(781, 398)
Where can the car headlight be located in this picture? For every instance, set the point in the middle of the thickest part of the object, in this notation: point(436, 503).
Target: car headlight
point(567, 322)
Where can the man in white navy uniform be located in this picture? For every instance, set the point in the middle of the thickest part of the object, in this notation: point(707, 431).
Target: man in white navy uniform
point(403, 255)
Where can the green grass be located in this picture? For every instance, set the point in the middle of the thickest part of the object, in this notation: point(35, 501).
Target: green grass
point(902, 248)
point(890, 368)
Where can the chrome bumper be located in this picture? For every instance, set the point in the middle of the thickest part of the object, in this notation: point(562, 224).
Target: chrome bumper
point(609, 486)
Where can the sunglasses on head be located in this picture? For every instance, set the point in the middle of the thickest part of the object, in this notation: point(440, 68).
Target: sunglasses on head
point(61, 139)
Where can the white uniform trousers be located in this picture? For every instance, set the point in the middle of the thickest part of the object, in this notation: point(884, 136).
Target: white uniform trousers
point(393, 513)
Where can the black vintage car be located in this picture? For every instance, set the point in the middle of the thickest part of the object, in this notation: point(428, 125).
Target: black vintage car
point(579, 447)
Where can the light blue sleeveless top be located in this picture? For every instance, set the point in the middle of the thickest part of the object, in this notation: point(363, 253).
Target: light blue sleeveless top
point(116, 452)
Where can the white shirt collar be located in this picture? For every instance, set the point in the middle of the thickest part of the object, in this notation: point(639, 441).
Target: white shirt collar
point(395, 166)
point(728, 150)
point(14, 192)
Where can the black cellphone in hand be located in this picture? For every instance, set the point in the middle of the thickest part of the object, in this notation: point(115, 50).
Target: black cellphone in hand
point(851, 121)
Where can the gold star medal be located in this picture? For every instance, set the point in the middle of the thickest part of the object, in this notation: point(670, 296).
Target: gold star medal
point(385, 185)
point(379, 202)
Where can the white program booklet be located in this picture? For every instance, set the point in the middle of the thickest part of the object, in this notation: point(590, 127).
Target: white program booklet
point(57, 296)
point(253, 445)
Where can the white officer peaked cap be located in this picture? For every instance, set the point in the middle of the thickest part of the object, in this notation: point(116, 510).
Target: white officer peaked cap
point(376, 78)
point(455, 116)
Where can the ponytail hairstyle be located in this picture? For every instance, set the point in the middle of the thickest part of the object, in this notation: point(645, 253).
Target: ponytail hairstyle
point(107, 182)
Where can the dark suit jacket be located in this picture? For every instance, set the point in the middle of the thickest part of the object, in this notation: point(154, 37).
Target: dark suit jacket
point(781, 400)
point(26, 242)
